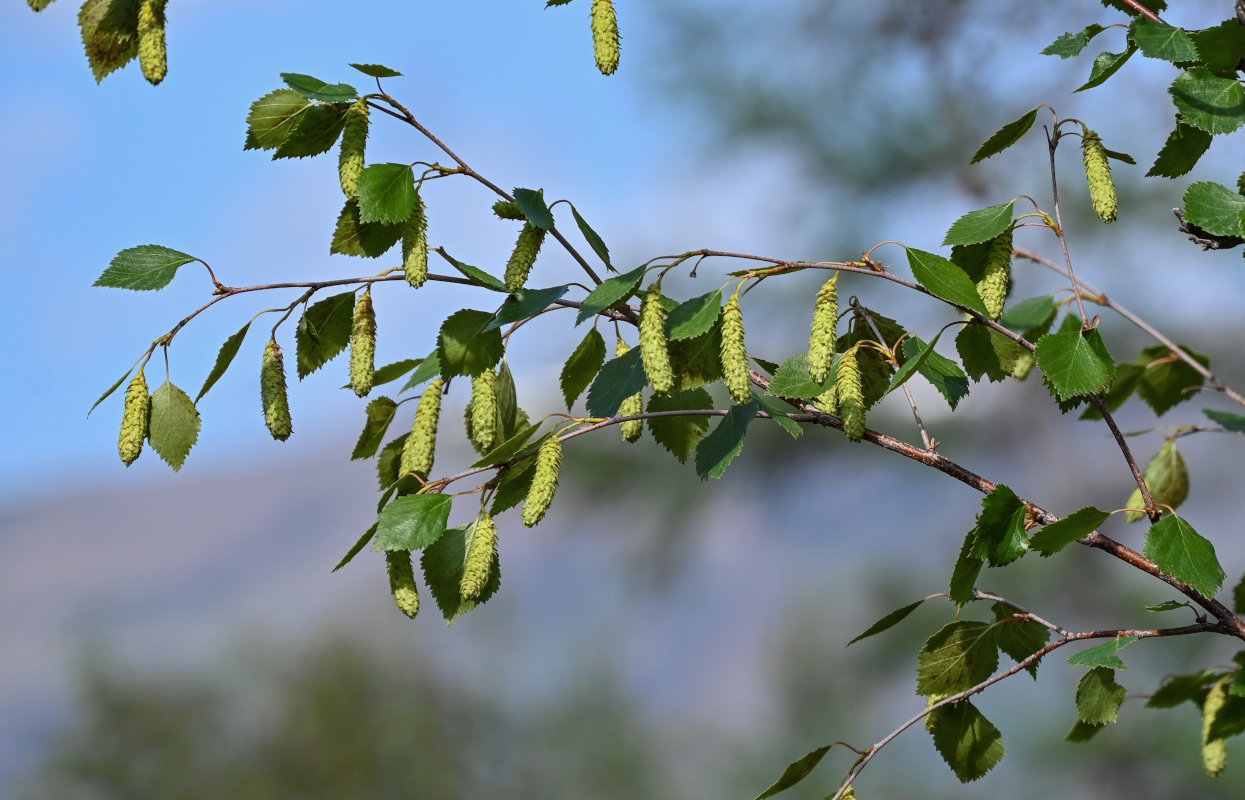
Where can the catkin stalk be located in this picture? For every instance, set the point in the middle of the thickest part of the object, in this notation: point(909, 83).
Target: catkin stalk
point(363, 346)
point(1098, 174)
point(273, 393)
point(481, 556)
point(135, 419)
point(605, 36)
point(420, 446)
point(351, 157)
point(523, 258)
point(544, 481)
point(153, 54)
point(402, 581)
point(825, 324)
point(415, 245)
point(653, 350)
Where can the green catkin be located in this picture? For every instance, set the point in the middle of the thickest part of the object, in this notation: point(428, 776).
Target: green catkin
point(1098, 174)
point(350, 158)
point(851, 396)
point(273, 394)
point(363, 346)
point(523, 258)
point(509, 209)
point(415, 245)
point(481, 556)
point(402, 581)
point(484, 410)
point(653, 351)
point(605, 36)
point(632, 429)
point(135, 419)
point(996, 281)
point(421, 445)
point(825, 324)
point(734, 353)
point(828, 401)
point(544, 481)
point(1214, 751)
point(153, 55)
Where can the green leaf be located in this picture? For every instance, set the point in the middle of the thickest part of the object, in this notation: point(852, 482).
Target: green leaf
point(1081, 732)
point(391, 372)
point(174, 424)
point(1098, 697)
point(516, 444)
point(1058, 535)
point(1019, 638)
point(109, 391)
point(1070, 45)
point(618, 379)
point(778, 413)
point(1167, 605)
point(697, 361)
point(693, 317)
point(988, 353)
point(1207, 101)
point(999, 537)
point(1006, 136)
point(1167, 476)
point(1183, 688)
point(508, 411)
point(324, 331)
point(316, 89)
point(272, 118)
point(717, 450)
point(964, 574)
point(380, 413)
point(315, 131)
point(958, 657)
point(1035, 312)
point(1185, 555)
point(388, 461)
point(1104, 655)
point(916, 358)
point(1121, 157)
point(966, 740)
point(142, 268)
point(983, 225)
point(386, 193)
point(1229, 720)
point(594, 240)
point(513, 487)
point(1075, 362)
point(376, 70)
point(109, 34)
point(1165, 42)
point(428, 369)
point(223, 359)
point(795, 772)
point(1215, 208)
point(532, 203)
point(353, 237)
point(477, 276)
point(443, 564)
point(889, 621)
point(1167, 380)
point(791, 379)
point(1222, 47)
point(525, 303)
point(679, 435)
point(467, 344)
point(610, 293)
point(945, 280)
point(1180, 152)
point(412, 522)
point(1130, 8)
point(582, 366)
point(1106, 65)
point(945, 375)
point(1233, 422)
point(357, 547)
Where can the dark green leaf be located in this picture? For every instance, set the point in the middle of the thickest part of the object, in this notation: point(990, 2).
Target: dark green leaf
point(610, 293)
point(109, 391)
point(717, 450)
point(1058, 535)
point(618, 379)
point(1019, 638)
point(324, 331)
point(694, 317)
point(142, 268)
point(988, 353)
point(532, 203)
point(1036, 312)
point(514, 486)
point(1118, 156)
point(223, 359)
point(1098, 697)
point(1229, 720)
point(443, 564)
point(1165, 42)
point(1081, 732)
point(516, 444)
point(1233, 422)
point(386, 193)
point(679, 435)
point(358, 546)
point(508, 411)
point(795, 772)
point(1168, 479)
point(1222, 47)
point(353, 237)
point(467, 344)
point(428, 369)
point(1104, 655)
point(109, 34)
point(983, 225)
point(966, 740)
point(526, 302)
point(1075, 362)
point(594, 241)
point(582, 366)
point(697, 361)
point(889, 621)
point(475, 274)
point(999, 537)
point(1185, 555)
point(958, 657)
point(174, 424)
point(1168, 605)
point(376, 70)
point(380, 412)
point(1106, 65)
point(272, 118)
point(1167, 380)
point(964, 574)
point(1183, 688)
point(1006, 136)
point(778, 411)
point(412, 522)
point(1215, 208)
point(1122, 387)
point(388, 461)
point(315, 131)
point(916, 358)
point(1070, 45)
point(945, 280)
point(1208, 101)
point(945, 375)
point(1180, 152)
point(316, 89)
point(1157, 6)
point(791, 379)
point(391, 372)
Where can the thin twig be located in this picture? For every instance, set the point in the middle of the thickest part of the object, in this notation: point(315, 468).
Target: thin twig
point(1052, 142)
point(916, 413)
point(1100, 404)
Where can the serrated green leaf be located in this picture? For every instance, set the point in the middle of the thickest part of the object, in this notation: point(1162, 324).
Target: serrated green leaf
point(386, 193)
point(1215, 208)
point(223, 359)
point(1070, 45)
point(796, 771)
point(527, 302)
point(476, 275)
point(679, 435)
point(717, 450)
point(944, 280)
point(1233, 422)
point(982, 225)
point(272, 118)
point(428, 369)
point(618, 379)
point(1168, 480)
point(1075, 362)
point(109, 391)
point(1165, 42)
point(1169, 605)
point(508, 411)
point(316, 89)
point(353, 237)
point(376, 70)
point(943, 373)
point(1122, 387)
point(1182, 150)
point(143, 268)
point(1098, 697)
point(999, 537)
point(519, 442)
point(391, 372)
point(1222, 47)
point(1106, 65)
point(532, 203)
point(1124, 158)
point(958, 657)
point(174, 426)
point(582, 366)
point(916, 358)
point(791, 379)
point(1019, 639)
point(1183, 688)
point(388, 462)
point(1029, 314)
point(964, 574)
point(109, 34)
point(1058, 535)
point(889, 621)
point(467, 344)
point(1130, 7)
point(1081, 732)
point(610, 293)
point(1006, 136)
point(966, 740)
point(697, 361)
point(1181, 552)
point(1167, 380)
point(1229, 720)
point(315, 130)
point(380, 412)
point(1208, 101)
point(987, 353)
point(412, 522)
point(443, 564)
point(594, 240)
point(324, 331)
point(693, 317)
point(1104, 655)
point(514, 487)
point(357, 547)
point(778, 413)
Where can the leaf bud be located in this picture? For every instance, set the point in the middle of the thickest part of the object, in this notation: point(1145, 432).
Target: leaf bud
point(273, 394)
point(135, 419)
